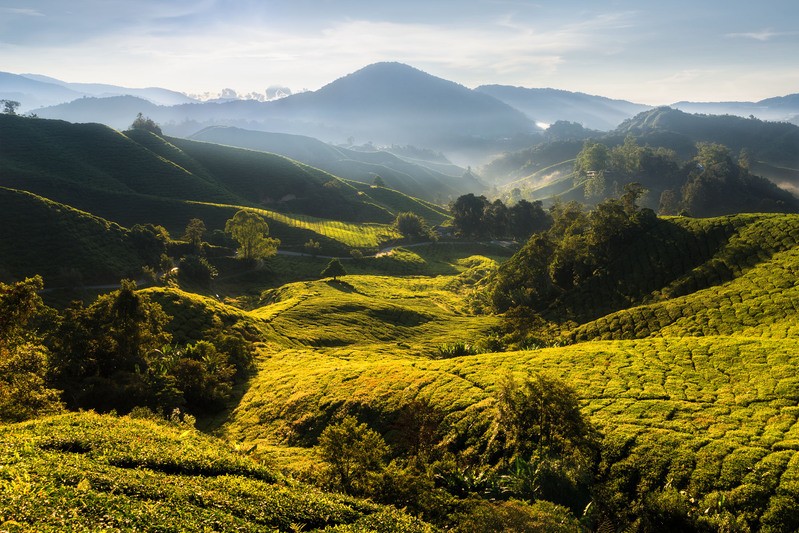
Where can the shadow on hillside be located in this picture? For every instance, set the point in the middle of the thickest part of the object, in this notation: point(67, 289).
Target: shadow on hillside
point(341, 285)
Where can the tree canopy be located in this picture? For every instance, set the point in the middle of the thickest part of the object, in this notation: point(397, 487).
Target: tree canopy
point(334, 269)
point(145, 123)
point(251, 231)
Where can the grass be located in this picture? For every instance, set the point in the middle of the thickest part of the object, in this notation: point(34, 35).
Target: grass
point(64, 245)
point(696, 397)
point(86, 472)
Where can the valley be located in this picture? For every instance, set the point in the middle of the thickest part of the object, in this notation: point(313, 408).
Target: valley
point(590, 331)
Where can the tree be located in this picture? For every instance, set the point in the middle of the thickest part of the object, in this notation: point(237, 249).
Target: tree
point(467, 214)
point(101, 352)
point(352, 451)
point(10, 106)
point(195, 230)
point(145, 123)
point(23, 359)
point(312, 247)
point(410, 224)
point(251, 231)
point(378, 181)
point(334, 269)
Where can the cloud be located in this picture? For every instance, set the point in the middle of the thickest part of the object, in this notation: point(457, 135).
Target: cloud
point(762, 36)
point(21, 11)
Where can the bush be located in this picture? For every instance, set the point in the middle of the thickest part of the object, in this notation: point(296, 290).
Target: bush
point(353, 453)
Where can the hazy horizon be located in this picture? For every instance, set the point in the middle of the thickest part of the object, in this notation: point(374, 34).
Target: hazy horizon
point(658, 54)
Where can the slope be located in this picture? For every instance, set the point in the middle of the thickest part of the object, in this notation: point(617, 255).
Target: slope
point(698, 402)
point(414, 179)
point(138, 177)
point(64, 245)
point(83, 471)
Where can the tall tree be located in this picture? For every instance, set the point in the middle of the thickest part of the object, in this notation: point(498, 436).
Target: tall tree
point(251, 231)
point(195, 230)
point(334, 269)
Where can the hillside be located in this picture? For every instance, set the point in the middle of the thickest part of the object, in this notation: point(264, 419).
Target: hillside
point(138, 177)
point(414, 178)
point(696, 400)
point(64, 245)
point(551, 105)
point(84, 471)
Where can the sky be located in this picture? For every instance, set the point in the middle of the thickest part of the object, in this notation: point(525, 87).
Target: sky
point(650, 52)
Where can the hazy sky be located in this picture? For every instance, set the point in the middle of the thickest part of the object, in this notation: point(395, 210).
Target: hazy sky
point(653, 52)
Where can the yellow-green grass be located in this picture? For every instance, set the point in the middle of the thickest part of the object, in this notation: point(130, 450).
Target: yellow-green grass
point(710, 416)
point(348, 234)
point(371, 315)
point(87, 472)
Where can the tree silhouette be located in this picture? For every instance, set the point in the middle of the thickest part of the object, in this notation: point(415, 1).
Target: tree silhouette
point(334, 269)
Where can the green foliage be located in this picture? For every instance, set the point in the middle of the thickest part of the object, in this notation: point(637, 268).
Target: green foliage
point(485, 517)
point(312, 247)
point(410, 224)
point(352, 452)
point(193, 234)
point(334, 269)
point(100, 352)
point(10, 106)
point(146, 124)
point(251, 231)
point(196, 269)
point(82, 471)
point(24, 392)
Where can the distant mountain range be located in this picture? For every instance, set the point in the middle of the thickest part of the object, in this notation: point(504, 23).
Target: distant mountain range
point(550, 105)
point(33, 91)
point(383, 103)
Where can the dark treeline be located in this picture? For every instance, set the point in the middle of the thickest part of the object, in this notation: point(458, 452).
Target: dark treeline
point(476, 217)
point(115, 354)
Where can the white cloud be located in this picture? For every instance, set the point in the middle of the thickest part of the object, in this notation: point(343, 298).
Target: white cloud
point(763, 35)
point(21, 11)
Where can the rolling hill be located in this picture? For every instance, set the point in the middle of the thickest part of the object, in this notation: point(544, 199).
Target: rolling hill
point(696, 399)
point(412, 177)
point(89, 165)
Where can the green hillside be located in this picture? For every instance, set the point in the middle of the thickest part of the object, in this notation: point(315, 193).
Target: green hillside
point(413, 177)
point(137, 177)
point(64, 245)
point(698, 407)
point(87, 472)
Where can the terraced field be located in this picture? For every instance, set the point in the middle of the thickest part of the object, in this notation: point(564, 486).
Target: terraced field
point(697, 399)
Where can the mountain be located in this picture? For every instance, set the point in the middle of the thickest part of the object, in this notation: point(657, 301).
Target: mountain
point(384, 103)
point(32, 93)
point(773, 142)
point(781, 108)
point(412, 176)
point(551, 105)
point(156, 95)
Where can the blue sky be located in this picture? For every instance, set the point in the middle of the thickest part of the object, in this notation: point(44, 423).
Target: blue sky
point(654, 52)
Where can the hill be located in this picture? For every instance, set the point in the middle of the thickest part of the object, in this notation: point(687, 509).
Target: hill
point(156, 95)
point(32, 94)
point(551, 105)
point(696, 399)
point(138, 177)
point(84, 471)
point(64, 245)
point(779, 109)
point(412, 177)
